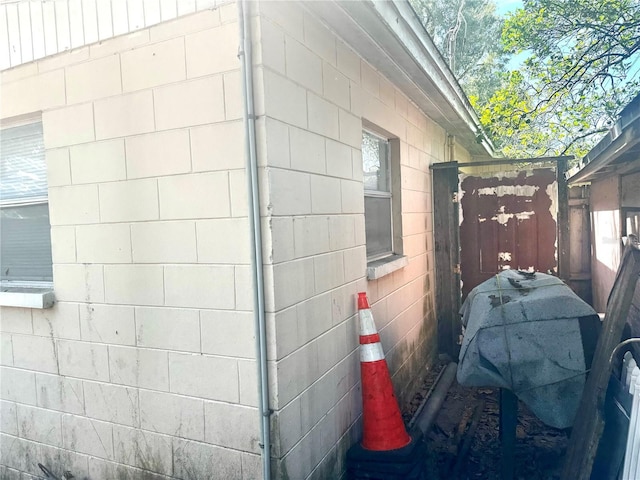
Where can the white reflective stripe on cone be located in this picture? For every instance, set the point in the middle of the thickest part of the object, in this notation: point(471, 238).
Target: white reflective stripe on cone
point(367, 325)
point(371, 352)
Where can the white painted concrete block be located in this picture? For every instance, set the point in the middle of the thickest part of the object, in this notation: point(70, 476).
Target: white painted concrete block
point(142, 449)
point(39, 425)
point(338, 159)
point(98, 162)
point(112, 403)
point(55, 392)
point(158, 154)
point(74, 205)
point(138, 367)
point(134, 284)
point(228, 333)
point(199, 286)
point(223, 241)
point(328, 271)
point(302, 65)
point(124, 115)
point(325, 195)
point(218, 146)
point(203, 195)
point(103, 243)
point(112, 324)
point(232, 426)
point(311, 235)
point(83, 360)
point(168, 328)
point(129, 201)
point(212, 51)
point(202, 376)
point(191, 103)
point(84, 435)
point(323, 117)
point(60, 321)
point(307, 151)
point(153, 65)
point(195, 459)
point(93, 80)
point(164, 242)
point(172, 414)
point(18, 386)
point(35, 353)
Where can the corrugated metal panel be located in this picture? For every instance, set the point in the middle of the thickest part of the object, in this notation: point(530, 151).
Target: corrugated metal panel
point(30, 29)
point(49, 27)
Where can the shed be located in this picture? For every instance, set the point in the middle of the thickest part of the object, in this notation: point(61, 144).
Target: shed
point(612, 169)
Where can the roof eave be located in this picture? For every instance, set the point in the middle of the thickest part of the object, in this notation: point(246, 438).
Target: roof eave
point(617, 142)
point(623, 136)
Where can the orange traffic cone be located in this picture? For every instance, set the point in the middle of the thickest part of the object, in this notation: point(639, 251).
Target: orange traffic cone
point(383, 426)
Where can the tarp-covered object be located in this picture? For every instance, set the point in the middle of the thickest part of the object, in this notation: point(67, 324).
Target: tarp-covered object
point(531, 334)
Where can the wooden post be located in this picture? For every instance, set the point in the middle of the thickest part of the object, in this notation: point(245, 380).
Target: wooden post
point(456, 290)
point(508, 424)
point(589, 423)
point(446, 250)
point(580, 243)
point(562, 221)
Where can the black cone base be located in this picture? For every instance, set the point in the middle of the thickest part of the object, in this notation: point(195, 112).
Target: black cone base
point(405, 463)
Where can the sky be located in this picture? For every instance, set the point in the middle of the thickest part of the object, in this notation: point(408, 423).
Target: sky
point(506, 6)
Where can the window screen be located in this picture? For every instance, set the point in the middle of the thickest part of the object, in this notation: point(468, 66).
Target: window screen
point(25, 237)
point(377, 199)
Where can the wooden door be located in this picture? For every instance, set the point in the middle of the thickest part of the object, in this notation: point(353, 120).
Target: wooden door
point(508, 221)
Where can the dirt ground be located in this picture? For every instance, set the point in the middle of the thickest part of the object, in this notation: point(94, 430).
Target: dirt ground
point(539, 448)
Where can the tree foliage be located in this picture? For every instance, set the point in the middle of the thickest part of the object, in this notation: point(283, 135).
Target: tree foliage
point(467, 33)
point(577, 45)
point(579, 73)
point(575, 69)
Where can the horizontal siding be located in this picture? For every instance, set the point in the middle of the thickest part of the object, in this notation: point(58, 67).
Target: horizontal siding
point(31, 30)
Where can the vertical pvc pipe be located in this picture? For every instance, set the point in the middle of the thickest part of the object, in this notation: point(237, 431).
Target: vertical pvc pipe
point(245, 54)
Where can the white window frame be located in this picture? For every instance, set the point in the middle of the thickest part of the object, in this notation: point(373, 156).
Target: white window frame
point(383, 194)
point(382, 264)
point(25, 293)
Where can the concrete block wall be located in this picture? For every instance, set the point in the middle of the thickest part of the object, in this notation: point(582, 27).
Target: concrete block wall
point(145, 367)
point(314, 93)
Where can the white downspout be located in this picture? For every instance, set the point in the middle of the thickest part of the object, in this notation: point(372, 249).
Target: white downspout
point(245, 55)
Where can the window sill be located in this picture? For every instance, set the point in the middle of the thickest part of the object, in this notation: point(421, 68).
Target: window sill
point(26, 297)
point(385, 266)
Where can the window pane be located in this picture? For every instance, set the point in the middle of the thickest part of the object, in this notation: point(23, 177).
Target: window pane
point(25, 243)
point(375, 162)
point(377, 219)
point(633, 223)
point(23, 172)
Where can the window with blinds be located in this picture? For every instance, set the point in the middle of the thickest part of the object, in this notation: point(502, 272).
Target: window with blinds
point(25, 232)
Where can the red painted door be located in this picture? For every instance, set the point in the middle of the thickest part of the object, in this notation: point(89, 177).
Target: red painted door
point(508, 221)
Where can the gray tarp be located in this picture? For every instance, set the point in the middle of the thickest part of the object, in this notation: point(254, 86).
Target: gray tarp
point(532, 335)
